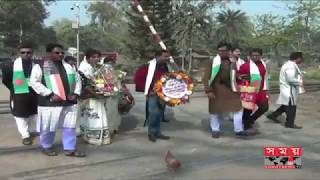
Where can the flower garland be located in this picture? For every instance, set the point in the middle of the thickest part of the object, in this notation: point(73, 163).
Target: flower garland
point(178, 76)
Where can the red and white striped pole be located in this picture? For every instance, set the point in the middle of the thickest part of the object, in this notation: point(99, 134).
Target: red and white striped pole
point(156, 36)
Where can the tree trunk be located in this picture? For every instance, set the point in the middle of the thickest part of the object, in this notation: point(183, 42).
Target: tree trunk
point(190, 48)
point(182, 63)
point(21, 34)
point(277, 55)
point(190, 61)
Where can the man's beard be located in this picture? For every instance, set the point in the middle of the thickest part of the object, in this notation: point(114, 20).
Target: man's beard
point(224, 58)
point(26, 59)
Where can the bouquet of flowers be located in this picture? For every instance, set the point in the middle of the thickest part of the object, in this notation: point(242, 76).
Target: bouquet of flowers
point(105, 81)
point(248, 96)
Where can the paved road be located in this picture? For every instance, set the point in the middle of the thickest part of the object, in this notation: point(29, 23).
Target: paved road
point(132, 156)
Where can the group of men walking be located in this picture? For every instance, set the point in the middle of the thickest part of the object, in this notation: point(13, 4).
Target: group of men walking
point(222, 89)
point(44, 95)
point(222, 79)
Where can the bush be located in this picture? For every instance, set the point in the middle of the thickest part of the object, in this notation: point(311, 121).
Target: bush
point(312, 74)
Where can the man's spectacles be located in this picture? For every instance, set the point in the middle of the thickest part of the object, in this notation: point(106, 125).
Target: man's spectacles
point(59, 53)
point(223, 50)
point(25, 52)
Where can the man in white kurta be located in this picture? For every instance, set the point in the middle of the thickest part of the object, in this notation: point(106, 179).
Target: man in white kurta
point(23, 100)
point(291, 85)
point(58, 87)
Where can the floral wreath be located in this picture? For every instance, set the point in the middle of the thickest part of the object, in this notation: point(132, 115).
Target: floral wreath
point(174, 75)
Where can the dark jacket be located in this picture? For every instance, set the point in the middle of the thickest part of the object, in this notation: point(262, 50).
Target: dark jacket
point(21, 105)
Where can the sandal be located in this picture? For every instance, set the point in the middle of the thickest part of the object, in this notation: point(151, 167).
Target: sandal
point(49, 152)
point(27, 141)
point(74, 153)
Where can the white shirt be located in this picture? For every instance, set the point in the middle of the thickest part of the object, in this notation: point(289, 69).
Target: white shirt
point(39, 88)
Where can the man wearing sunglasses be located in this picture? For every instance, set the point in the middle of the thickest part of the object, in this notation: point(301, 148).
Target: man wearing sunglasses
point(58, 86)
point(23, 100)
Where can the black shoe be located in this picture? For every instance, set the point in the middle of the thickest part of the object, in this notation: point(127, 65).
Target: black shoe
point(215, 134)
point(34, 134)
point(274, 119)
point(242, 134)
point(293, 126)
point(163, 137)
point(252, 131)
point(152, 137)
point(27, 141)
point(75, 153)
point(247, 126)
point(49, 152)
point(165, 120)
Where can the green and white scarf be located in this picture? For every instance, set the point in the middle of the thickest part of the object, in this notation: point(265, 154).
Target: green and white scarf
point(255, 77)
point(20, 82)
point(53, 79)
point(216, 64)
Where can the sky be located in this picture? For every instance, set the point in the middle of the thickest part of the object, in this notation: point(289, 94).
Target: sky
point(61, 9)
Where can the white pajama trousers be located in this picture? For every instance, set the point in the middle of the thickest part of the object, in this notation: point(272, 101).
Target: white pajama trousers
point(26, 125)
point(237, 121)
point(52, 118)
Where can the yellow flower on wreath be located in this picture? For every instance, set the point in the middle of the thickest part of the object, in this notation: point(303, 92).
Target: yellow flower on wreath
point(174, 101)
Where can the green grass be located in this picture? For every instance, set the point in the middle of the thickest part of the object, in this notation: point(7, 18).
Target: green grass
point(274, 74)
point(312, 74)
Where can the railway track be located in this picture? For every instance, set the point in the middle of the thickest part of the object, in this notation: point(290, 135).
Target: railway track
point(310, 87)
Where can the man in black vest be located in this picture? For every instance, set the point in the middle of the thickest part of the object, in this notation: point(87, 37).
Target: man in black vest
point(58, 86)
point(23, 100)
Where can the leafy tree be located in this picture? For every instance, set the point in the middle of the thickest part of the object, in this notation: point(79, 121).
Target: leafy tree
point(233, 26)
point(192, 25)
point(65, 34)
point(141, 41)
point(89, 35)
point(19, 19)
point(110, 26)
point(307, 13)
point(104, 13)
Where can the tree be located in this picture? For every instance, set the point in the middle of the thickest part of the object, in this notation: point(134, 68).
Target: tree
point(192, 25)
point(307, 13)
point(104, 13)
point(16, 24)
point(141, 40)
point(65, 34)
point(233, 26)
point(276, 36)
point(89, 35)
point(108, 19)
